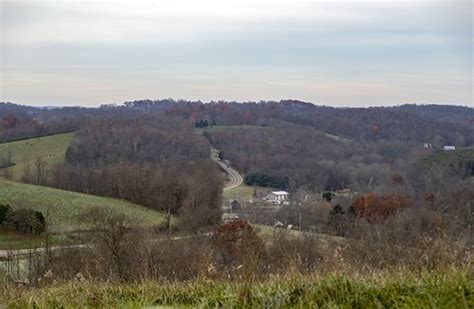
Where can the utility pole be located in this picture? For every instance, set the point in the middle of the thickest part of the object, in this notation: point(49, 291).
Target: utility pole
point(299, 221)
point(169, 220)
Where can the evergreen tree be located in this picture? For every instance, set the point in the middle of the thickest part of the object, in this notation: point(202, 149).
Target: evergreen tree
point(336, 221)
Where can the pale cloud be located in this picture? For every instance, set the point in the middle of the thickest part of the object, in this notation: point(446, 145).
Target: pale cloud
point(95, 87)
point(328, 51)
point(41, 21)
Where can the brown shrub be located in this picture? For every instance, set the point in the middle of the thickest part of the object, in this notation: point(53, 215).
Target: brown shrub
point(181, 259)
point(237, 248)
point(376, 208)
point(302, 254)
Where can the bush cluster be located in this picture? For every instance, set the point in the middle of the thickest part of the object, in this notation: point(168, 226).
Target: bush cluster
point(26, 221)
point(266, 180)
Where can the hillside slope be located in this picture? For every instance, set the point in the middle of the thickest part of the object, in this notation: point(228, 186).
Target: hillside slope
point(50, 149)
point(461, 160)
point(61, 208)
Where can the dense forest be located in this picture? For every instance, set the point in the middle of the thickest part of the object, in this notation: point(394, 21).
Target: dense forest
point(363, 124)
point(289, 145)
point(439, 125)
point(15, 127)
point(302, 154)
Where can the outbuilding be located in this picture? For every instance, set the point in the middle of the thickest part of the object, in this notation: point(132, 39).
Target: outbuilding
point(276, 197)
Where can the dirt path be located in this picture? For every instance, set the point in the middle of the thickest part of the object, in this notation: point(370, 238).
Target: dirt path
point(24, 253)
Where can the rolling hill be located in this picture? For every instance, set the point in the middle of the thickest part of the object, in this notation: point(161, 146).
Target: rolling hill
point(61, 208)
point(51, 149)
point(459, 159)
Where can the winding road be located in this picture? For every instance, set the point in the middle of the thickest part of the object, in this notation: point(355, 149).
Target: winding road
point(235, 179)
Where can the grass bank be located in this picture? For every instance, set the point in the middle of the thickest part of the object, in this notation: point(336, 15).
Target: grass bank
point(448, 289)
point(245, 192)
point(12, 240)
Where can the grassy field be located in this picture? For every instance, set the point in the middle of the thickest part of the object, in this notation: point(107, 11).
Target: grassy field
point(229, 128)
point(244, 192)
point(326, 242)
point(267, 232)
point(11, 240)
point(250, 127)
point(452, 157)
point(449, 289)
point(338, 138)
point(61, 208)
point(51, 149)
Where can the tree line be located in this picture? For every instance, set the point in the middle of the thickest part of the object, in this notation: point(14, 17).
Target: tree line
point(437, 125)
point(157, 162)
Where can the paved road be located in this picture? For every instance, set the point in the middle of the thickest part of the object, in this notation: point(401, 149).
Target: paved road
point(234, 177)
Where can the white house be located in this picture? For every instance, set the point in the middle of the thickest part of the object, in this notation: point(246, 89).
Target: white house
point(277, 197)
point(447, 148)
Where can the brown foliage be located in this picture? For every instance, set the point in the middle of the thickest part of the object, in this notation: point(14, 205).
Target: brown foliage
point(238, 246)
point(183, 259)
point(398, 179)
point(429, 196)
point(111, 236)
point(303, 254)
point(375, 207)
point(8, 122)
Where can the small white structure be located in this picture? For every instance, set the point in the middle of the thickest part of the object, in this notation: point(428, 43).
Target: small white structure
point(226, 217)
point(448, 148)
point(276, 197)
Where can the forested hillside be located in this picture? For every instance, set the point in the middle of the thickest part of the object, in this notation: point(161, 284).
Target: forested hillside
point(291, 155)
point(364, 124)
point(448, 113)
point(416, 123)
point(136, 140)
point(154, 161)
point(292, 143)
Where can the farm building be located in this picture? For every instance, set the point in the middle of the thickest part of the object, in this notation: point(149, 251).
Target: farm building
point(235, 205)
point(447, 148)
point(276, 197)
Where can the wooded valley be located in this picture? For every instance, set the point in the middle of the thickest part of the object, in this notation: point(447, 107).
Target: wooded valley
point(367, 189)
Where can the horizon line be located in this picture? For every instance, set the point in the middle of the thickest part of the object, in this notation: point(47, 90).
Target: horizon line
point(231, 101)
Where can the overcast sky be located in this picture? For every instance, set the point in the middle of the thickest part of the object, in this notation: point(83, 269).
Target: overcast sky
point(332, 52)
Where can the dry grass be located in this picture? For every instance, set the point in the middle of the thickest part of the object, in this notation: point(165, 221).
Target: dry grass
point(444, 289)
